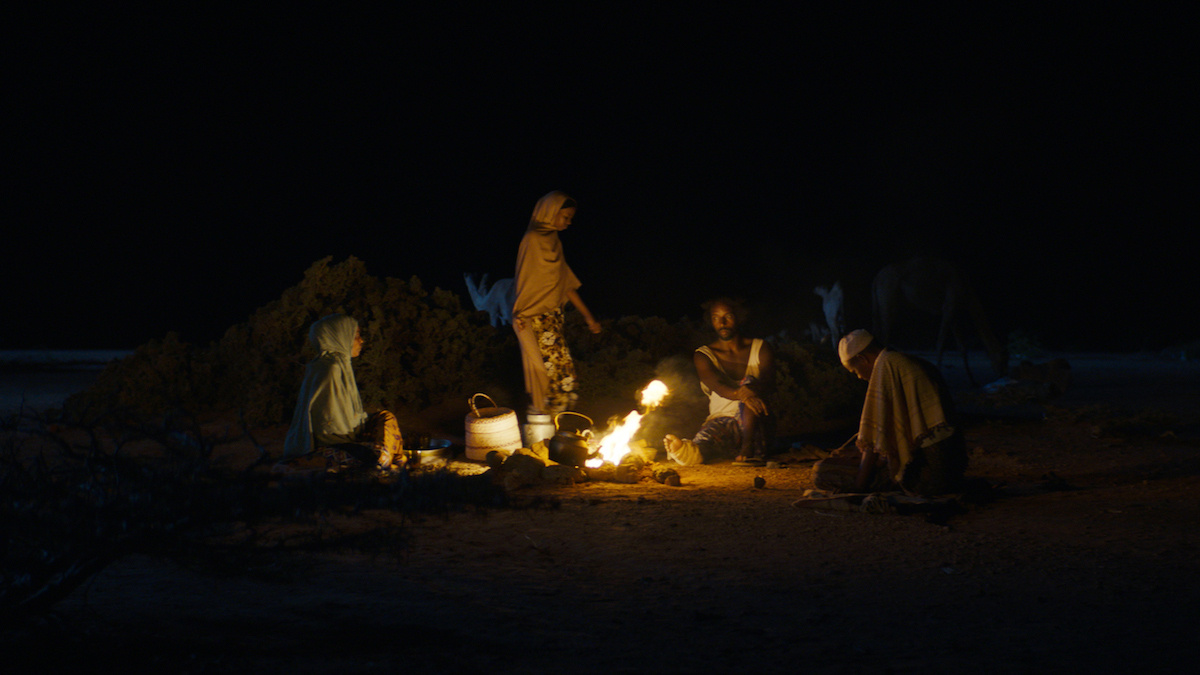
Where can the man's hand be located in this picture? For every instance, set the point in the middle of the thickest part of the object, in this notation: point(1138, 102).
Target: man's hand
point(747, 396)
point(593, 325)
point(758, 406)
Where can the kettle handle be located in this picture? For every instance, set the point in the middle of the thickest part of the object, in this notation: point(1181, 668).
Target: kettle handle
point(471, 402)
point(571, 412)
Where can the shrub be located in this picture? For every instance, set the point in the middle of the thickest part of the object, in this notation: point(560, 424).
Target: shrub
point(1024, 345)
point(421, 347)
point(813, 390)
point(161, 376)
point(621, 360)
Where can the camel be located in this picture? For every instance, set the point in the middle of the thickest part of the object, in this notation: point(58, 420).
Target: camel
point(497, 301)
point(937, 287)
point(835, 318)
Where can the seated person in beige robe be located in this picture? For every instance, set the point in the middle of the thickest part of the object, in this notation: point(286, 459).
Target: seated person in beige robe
point(908, 437)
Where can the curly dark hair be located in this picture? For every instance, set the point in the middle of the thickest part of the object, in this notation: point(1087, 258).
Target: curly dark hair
point(738, 307)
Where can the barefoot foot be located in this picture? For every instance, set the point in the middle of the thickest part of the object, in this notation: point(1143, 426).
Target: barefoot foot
point(672, 443)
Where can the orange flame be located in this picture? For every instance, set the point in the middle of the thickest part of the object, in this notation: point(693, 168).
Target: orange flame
point(653, 394)
point(615, 445)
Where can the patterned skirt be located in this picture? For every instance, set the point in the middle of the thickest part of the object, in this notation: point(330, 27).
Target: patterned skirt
point(724, 435)
point(548, 328)
point(381, 432)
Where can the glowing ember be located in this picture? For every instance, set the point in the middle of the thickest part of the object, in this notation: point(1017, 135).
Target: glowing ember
point(615, 445)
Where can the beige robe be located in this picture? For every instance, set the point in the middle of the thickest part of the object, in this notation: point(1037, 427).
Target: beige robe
point(904, 403)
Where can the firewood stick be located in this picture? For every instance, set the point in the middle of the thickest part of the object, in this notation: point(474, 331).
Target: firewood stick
point(813, 501)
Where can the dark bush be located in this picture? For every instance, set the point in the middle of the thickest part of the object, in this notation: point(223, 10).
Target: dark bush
point(424, 349)
point(421, 348)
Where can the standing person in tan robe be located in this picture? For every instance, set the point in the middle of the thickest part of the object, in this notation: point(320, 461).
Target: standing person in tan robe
point(544, 283)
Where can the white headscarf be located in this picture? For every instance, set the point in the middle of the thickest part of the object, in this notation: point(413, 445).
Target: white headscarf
point(329, 409)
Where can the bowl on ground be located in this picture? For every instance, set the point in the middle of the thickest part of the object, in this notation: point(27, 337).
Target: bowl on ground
point(436, 449)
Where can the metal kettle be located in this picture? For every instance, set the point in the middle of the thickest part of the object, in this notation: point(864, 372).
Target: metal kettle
point(571, 447)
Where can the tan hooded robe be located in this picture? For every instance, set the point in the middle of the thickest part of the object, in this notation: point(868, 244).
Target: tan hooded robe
point(543, 281)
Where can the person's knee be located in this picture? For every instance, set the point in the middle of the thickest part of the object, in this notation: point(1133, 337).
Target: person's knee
point(749, 420)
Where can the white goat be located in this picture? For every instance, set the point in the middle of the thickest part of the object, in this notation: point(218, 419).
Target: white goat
point(497, 301)
point(831, 303)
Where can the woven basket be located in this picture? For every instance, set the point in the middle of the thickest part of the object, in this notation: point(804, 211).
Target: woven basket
point(491, 428)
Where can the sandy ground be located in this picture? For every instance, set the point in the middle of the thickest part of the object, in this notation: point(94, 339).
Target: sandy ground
point(1085, 559)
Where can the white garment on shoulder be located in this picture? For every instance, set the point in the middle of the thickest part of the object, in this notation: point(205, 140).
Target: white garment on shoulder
point(719, 406)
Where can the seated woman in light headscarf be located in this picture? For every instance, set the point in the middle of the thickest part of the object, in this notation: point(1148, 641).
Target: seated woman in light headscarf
point(329, 416)
point(544, 283)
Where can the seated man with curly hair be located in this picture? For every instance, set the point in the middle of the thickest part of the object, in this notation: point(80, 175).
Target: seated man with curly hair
point(736, 373)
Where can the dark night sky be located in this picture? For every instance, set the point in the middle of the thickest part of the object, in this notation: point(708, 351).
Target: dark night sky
point(176, 171)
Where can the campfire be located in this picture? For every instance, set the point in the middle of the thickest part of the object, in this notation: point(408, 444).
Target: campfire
point(614, 446)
